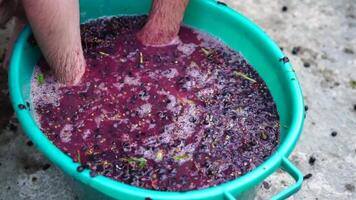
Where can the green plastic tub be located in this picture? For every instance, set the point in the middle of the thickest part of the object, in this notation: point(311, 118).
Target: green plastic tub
point(209, 16)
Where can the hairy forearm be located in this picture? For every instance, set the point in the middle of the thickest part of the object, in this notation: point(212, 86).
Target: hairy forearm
point(56, 28)
point(163, 23)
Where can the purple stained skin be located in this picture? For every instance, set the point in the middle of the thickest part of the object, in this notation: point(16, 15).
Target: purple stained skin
point(176, 118)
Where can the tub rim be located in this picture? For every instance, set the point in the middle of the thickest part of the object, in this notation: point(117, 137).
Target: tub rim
point(114, 188)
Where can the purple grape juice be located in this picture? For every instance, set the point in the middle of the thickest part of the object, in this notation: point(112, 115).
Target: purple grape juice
point(176, 118)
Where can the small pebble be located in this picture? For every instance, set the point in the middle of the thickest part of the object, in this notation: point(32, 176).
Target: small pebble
point(284, 9)
point(334, 133)
point(295, 50)
point(350, 187)
point(46, 166)
point(29, 143)
point(348, 51)
point(312, 160)
point(266, 185)
point(12, 127)
point(308, 176)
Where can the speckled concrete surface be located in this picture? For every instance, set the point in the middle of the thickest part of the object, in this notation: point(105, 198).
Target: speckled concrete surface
point(325, 33)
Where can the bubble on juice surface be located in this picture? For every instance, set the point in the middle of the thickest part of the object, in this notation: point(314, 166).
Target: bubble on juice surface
point(151, 126)
point(102, 87)
point(132, 80)
point(170, 73)
point(199, 78)
point(150, 141)
point(172, 103)
point(144, 109)
point(46, 91)
point(186, 49)
point(189, 84)
point(167, 136)
point(149, 154)
point(153, 75)
point(98, 120)
point(133, 55)
point(194, 73)
point(206, 93)
point(190, 148)
point(118, 86)
point(66, 133)
point(184, 125)
point(86, 134)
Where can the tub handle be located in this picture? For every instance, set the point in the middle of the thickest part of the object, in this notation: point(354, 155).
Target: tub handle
point(292, 170)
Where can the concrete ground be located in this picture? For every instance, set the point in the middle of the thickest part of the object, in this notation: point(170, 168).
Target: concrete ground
point(323, 36)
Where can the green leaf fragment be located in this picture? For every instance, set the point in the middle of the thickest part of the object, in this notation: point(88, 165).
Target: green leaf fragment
point(130, 160)
point(141, 162)
point(353, 84)
point(181, 157)
point(40, 79)
point(236, 73)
